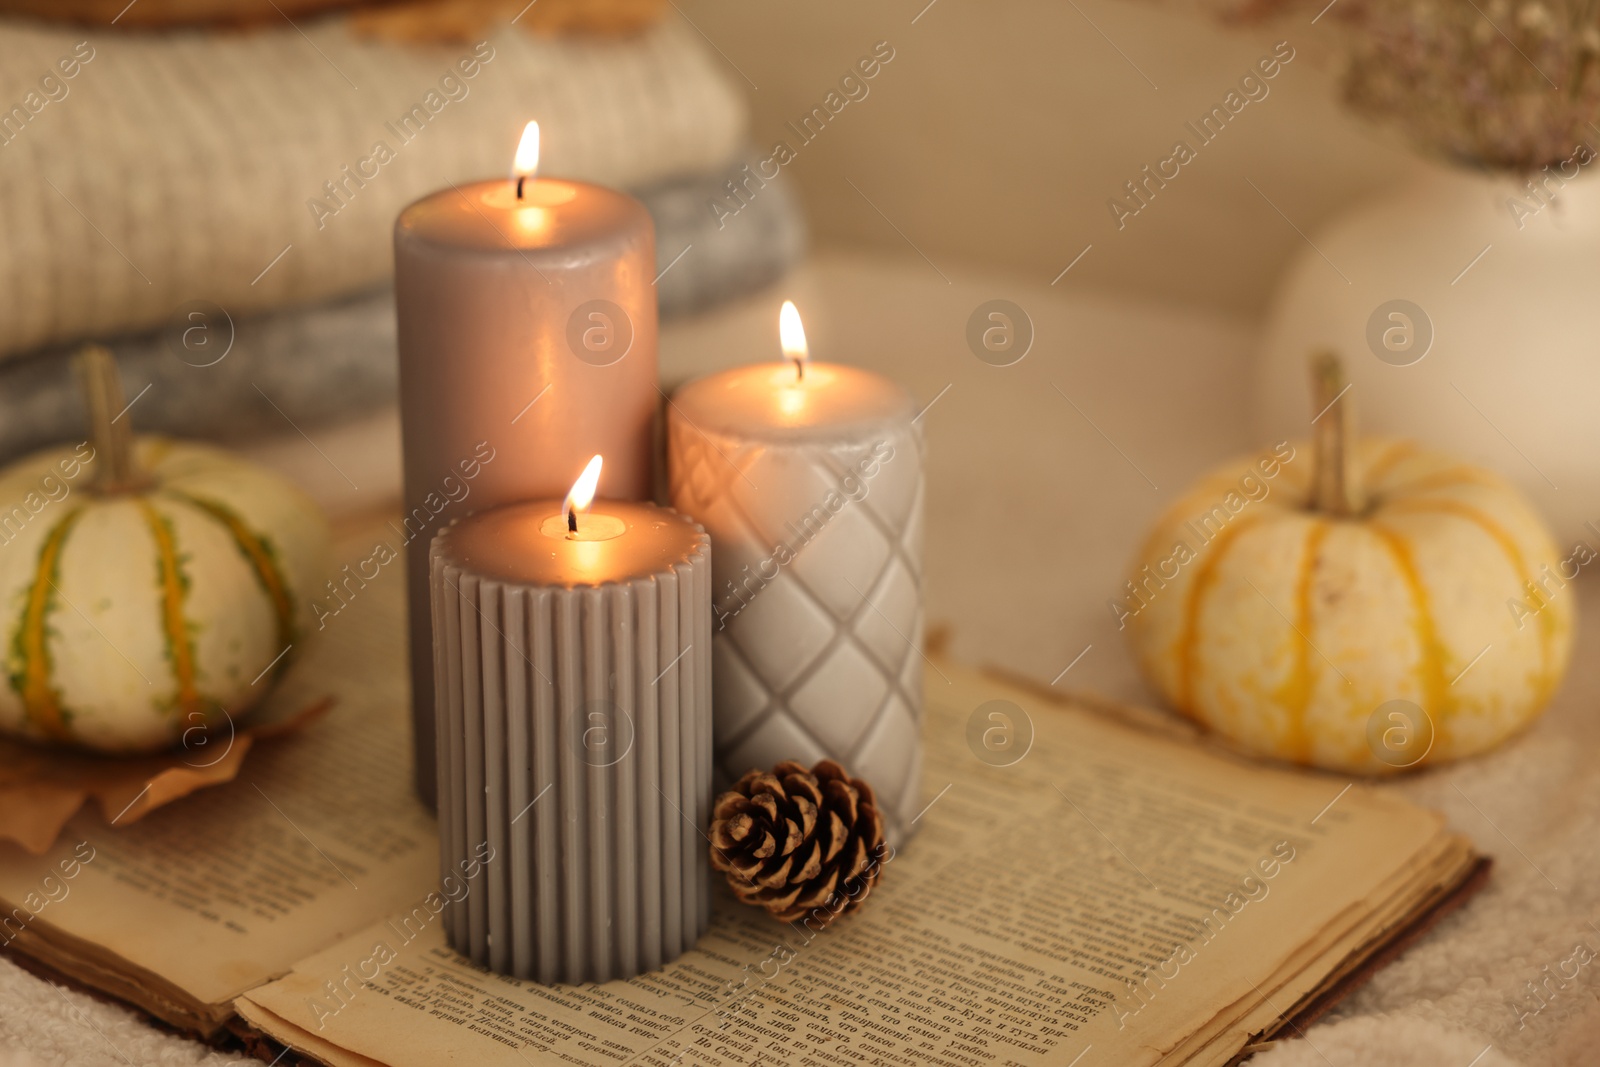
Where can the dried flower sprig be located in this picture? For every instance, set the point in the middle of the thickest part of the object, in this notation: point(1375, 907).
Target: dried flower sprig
point(1501, 84)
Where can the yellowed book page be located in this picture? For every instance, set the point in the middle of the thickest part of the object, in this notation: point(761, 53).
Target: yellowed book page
point(1331, 955)
point(309, 1044)
point(1108, 888)
point(227, 888)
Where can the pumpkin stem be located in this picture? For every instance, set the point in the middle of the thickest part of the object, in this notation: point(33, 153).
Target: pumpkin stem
point(1333, 479)
point(109, 429)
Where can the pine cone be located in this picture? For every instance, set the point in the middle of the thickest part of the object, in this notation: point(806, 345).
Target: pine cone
point(799, 842)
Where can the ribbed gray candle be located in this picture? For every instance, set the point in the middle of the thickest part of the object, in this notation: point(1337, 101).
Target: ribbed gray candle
point(573, 683)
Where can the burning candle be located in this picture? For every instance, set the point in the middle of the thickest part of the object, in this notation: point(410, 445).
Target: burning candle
point(574, 734)
point(527, 331)
point(808, 477)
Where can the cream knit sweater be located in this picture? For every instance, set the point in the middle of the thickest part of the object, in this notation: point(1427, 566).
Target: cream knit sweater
point(139, 172)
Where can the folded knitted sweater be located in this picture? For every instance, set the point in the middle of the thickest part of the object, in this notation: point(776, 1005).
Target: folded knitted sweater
point(212, 376)
point(259, 169)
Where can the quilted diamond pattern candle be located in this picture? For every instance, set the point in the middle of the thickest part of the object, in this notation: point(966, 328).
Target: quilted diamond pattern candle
point(808, 477)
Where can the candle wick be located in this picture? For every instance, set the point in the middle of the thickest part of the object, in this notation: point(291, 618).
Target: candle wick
point(572, 521)
point(799, 370)
point(520, 179)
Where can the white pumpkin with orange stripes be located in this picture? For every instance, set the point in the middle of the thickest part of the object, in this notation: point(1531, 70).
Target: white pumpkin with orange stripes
point(148, 588)
point(1305, 614)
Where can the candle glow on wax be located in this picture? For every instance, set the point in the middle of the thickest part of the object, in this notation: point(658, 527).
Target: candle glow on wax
point(594, 527)
point(581, 494)
point(525, 197)
point(792, 336)
point(526, 162)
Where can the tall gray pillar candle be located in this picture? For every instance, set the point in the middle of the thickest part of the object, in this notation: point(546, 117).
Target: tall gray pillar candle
point(573, 682)
point(809, 478)
point(527, 336)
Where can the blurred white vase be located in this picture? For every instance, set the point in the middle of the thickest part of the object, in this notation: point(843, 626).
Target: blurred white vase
point(1467, 310)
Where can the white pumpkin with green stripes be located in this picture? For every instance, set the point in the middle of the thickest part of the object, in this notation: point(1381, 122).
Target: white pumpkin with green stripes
point(140, 605)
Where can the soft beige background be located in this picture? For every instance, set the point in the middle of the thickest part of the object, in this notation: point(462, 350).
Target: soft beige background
point(1000, 129)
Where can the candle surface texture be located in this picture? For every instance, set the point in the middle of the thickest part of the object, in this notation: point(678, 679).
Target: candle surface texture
point(527, 339)
point(809, 479)
point(574, 733)
point(529, 543)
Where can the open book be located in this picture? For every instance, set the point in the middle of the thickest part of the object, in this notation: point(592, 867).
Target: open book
point(1117, 893)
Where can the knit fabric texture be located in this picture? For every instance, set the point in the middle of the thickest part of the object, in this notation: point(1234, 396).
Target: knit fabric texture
point(265, 168)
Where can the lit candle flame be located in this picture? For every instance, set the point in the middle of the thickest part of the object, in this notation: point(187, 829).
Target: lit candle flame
point(526, 163)
point(582, 494)
point(792, 335)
